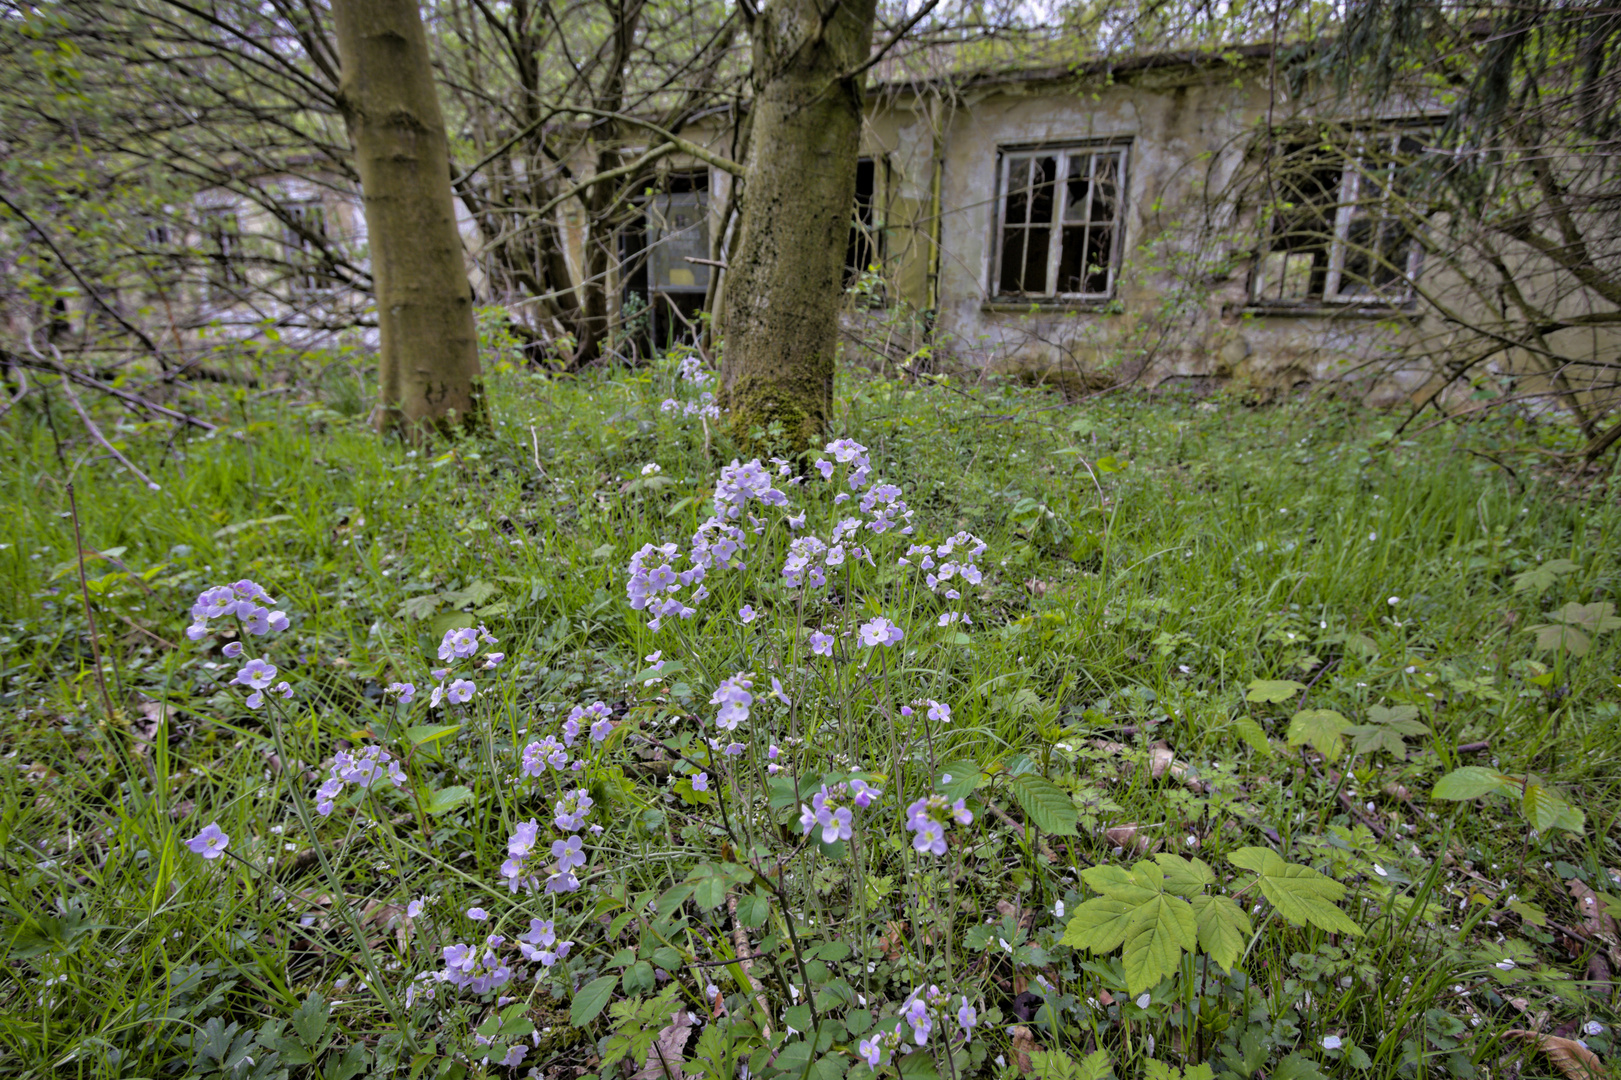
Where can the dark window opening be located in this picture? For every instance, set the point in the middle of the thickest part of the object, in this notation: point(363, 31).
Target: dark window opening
point(1060, 223)
point(861, 253)
point(222, 246)
point(306, 241)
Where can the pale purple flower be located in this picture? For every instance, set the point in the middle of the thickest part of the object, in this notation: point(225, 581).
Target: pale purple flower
point(210, 843)
point(747, 614)
point(458, 644)
point(734, 698)
point(232, 650)
point(568, 853)
point(939, 712)
point(916, 1014)
point(492, 660)
point(601, 730)
point(700, 782)
point(459, 691)
point(872, 1050)
point(778, 692)
point(477, 914)
point(880, 631)
point(967, 1018)
point(257, 674)
point(406, 690)
point(821, 644)
point(413, 910)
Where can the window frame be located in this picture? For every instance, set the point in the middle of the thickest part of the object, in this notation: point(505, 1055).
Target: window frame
point(1061, 152)
point(1341, 214)
point(307, 274)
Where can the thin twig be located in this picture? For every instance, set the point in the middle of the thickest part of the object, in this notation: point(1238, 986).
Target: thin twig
point(95, 433)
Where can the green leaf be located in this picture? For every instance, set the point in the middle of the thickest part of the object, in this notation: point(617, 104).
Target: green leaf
point(241, 526)
point(1273, 690)
point(1047, 806)
point(1184, 877)
point(753, 909)
point(1471, 782)
point(1253, 735)
point(965, 777)
point(427, 733)
point(1295, 1067)
point(1322, 728)
point(1224, 929)
point(1099, 925)
point(1545, 810)
point(1539, 579)
point(1596, 618)
point(418, 607)
point(446, 799)
point(1159, 933)
point(710, 882)
point(1369, 739)
point(1299, 893)
point(1396, 714)
point(309, 1020)
point(1057, 1065)
point(591, 1000)
point(1554, 636)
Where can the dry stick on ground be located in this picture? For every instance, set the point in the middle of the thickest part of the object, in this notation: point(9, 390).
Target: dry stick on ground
point(745, 959)
point(95, 433)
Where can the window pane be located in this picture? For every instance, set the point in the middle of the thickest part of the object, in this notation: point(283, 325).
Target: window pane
point(1104, 185)
point(1072, 260)
point(1012, 261)
point(1018, 191)
point(1035, 259)
point(1043, 179)
point(1079, 189)
point(1099, 252)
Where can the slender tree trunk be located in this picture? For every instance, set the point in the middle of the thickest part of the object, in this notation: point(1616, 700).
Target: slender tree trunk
point(429, 369)
point(783, 293)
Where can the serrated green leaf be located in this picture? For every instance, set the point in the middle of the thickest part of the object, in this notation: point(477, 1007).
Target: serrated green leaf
point(1545, 810)
point(964, 778)
point(1120, 883)
point(1099, 925)
point(1395, 714)
point(1296, 1067)
point(1157, 935)
point(1322, 728)
point(309, 1020)
point(1253, 735)
point(1224, 929)
point(1539, 579)
point(1554, 636)
point(753, 909)
point(1299, 893)
point(1471, 782)
point(1273, 690)
point(1057, 1065)
point(1046, 805)
point(1597, 618)
point(1369, 739)
point(1184, 877)
point(591, 1000)
point(446, 799)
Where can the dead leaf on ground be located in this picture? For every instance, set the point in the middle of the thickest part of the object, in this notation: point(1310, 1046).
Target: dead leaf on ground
point(1024, 1044)
point(1037, 587)
point(1573, 1059)
point(1133, 837)
point(894, 935)
point(1593, 912)
point(664, 1056)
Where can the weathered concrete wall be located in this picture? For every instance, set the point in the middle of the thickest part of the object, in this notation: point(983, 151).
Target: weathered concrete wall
point(1185, 131)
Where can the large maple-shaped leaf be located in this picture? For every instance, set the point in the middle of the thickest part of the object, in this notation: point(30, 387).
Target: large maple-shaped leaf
point(1322, 728)
point(1224, 929)
point(1299, 893)
point(1160, 932)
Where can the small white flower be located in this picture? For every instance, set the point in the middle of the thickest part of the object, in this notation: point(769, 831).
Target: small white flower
point(1058, 909)
point(1393, 601)
point(1592, 1027)
point(1331, 1042)
point(651, 469)
point(1505, 964)
point(1381, 871)
point(1143, 1000)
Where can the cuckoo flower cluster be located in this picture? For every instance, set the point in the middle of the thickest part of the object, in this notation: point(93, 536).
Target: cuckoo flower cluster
point(927, 820)
point(698, 381)
point(830, 809)
point(248, 605)
point(919, 1013)
point(362, 769)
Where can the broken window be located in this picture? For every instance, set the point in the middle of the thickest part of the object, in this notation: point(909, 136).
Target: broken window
point(1340, 228)
point(665, 258)
point(861, 253)
point(1060, 213)
point(305, 240)
point(222, 247)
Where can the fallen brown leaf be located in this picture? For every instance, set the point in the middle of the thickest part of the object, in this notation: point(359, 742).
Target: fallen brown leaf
point(1573, 1059)
point(1132, 837)
point(664, 1056)
point(1024, 1044)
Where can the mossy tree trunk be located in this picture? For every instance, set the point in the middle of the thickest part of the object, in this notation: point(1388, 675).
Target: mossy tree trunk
point(783, 293)
point(429, 371)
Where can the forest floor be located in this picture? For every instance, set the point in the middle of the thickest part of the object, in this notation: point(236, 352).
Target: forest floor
point(1284, 746)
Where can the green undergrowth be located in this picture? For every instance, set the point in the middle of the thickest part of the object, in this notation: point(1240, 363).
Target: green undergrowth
point(1290, 747)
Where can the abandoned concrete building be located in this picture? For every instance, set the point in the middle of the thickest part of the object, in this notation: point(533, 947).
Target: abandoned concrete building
point(1130, 220)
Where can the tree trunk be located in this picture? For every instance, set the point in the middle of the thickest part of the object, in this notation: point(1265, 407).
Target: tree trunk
point(783, 293)
point(429, 371)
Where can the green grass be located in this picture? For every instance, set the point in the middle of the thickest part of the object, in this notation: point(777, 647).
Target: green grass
point(1148, 562)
